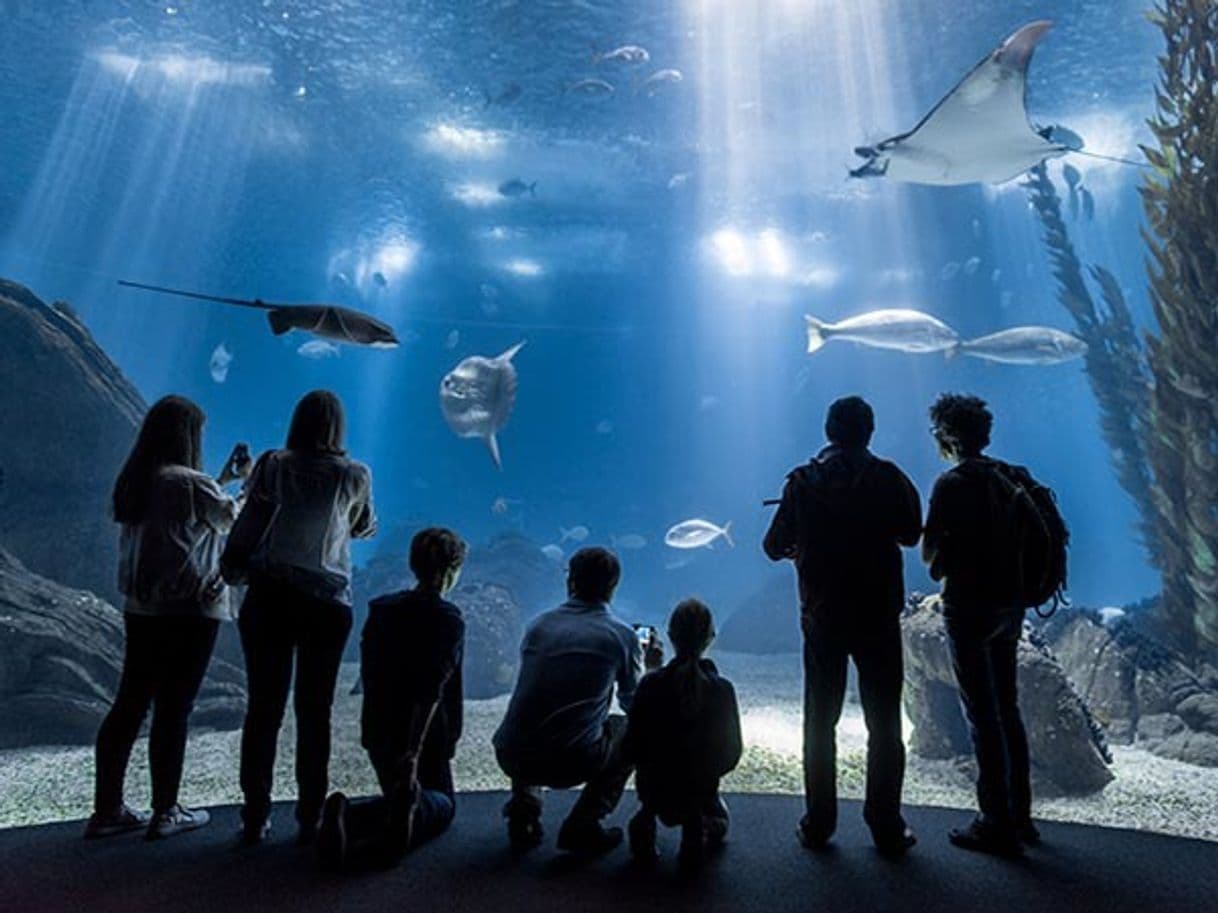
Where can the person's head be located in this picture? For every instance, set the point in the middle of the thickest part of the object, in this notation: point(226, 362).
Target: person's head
point(850, 422)
point(171, 435)
point(436, 556)
point(593, 575)
point(319, 424)
point(691, 628)
point(961, 425)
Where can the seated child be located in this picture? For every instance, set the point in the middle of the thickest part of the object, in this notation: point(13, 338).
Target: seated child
point(683, 735)
point(411, 652)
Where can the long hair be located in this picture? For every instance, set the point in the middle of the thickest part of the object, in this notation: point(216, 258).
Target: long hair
point(319, 424)
point(171, 435)
point(691, 628)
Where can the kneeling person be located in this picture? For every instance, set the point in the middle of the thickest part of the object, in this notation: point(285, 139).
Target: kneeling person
point(411, 654)
point(683, 735)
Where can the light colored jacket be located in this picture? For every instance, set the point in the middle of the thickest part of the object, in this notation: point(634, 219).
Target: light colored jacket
point(324, 501)
point(169, 564)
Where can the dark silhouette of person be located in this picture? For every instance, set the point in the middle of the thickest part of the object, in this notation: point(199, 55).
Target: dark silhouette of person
point(411, 652)
point(298, 606)
point(960, 546)
point(683, 735)
point(174, 518)
point(843, 519)
point(558, 730)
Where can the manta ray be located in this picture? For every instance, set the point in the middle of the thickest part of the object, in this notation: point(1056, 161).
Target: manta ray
point(979, 132)
point(329, 321)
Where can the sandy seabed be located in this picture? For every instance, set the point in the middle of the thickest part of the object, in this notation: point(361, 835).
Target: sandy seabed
point(1151, 793)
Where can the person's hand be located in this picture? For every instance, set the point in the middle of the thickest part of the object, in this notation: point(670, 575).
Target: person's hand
point(238, 466)
point(653, 653)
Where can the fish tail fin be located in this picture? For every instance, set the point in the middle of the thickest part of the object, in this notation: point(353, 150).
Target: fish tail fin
point(279, 321)
point(563, 535)
point(727, 536)
point(816, 333)
point(511, 353)
point(492, 444)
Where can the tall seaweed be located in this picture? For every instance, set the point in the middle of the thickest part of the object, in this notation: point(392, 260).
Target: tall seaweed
point(1180, 198)
point(1116, 359)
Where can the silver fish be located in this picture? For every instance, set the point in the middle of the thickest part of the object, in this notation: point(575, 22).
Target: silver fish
point(1026, 346)
point(659, 79)
point(902, 330)
point(318, 349)
point(218, 364)
point(627, 53)
point(477, 397)
point(590, 87)
point(697, 533)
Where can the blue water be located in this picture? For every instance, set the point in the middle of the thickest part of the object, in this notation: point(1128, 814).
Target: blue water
point(292, 150)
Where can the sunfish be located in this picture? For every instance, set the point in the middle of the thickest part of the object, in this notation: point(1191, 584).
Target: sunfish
point(902, 330)
point(979, 132)
point(697, 534)
point(1026, 346)
point(477, 397)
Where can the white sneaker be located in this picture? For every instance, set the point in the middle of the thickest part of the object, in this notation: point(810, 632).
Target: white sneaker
point(177, 820)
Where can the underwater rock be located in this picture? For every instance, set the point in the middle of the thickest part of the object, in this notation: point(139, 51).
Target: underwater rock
point(492, 638)
point(1140, 690)
point(61, 653)
point(766, 621)
point(67, 418)
point(1069, 754)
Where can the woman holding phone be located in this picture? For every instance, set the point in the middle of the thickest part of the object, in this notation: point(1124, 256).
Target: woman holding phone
point(173, 519)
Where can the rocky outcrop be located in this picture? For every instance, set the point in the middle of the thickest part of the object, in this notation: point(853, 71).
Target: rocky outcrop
point(1069, 754)
point(1142, 692)
point(61, 653)
point(67, 419)
point(766, 621)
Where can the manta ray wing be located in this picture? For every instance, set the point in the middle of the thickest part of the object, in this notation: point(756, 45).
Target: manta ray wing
point(979, 131)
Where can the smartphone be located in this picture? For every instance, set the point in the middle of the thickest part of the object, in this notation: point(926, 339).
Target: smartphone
point(645, 633)
point(241, 454)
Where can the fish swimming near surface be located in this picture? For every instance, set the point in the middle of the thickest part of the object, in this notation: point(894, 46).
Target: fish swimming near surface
point(979, 132)
point(902, 330)
point(1025, 346)
point(574, 534)
point(318, 349)
point(697, 533)
point(328, 321)
point(478, 395)
point(219, 362)
point(379, 278)
point(517, 188)
point(590, 88)
point(627, 53)
point(660, 79)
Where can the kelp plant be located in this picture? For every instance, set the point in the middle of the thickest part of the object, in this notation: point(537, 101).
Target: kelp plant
point(1180, 197)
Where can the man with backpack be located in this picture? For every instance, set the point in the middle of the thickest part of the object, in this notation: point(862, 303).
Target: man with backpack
point(842, 519)
point(995, 539)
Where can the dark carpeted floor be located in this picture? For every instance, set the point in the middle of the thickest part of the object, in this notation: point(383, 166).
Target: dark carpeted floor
point(763, 869)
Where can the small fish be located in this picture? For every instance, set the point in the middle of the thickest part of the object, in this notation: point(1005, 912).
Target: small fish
point(630, 542)
point(219, 362)
point(508, 94)
point(971, 265)
point(707, 402)
point(574, 534)
point(679, 561)
point(517, 188)
point(697, 533)
point(1025, 346)
point(995, 275)
point(452, 339)
point(590, 88)
point(1070, 173)
point(318, 349)
point(553, 552)
point(1073, 203)
point(604, 426)
point(902, 330)
point(678, 180)
point(949, 271)
point(1088, 204)
point(379, 278)
point(659, 79)
point(501, 506)
point(627, 53)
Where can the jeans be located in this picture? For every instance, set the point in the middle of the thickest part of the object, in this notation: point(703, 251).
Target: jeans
point(603, 772)
point(876, 650)
point(984, 653)
point(279, 625)
point(165, 660)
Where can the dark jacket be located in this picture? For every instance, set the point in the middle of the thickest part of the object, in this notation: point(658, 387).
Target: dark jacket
point(411, 653)
point(962, 545)
point(682, 737)
point(842, 519)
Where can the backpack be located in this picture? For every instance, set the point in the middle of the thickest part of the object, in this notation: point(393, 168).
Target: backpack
point(1031, 539)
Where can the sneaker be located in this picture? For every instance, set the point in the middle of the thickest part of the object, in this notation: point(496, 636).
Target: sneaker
point(177, 820)
point(524, 824)
point(980, 837)
point(254, 834)
point(332, 834)
point(812, 837)
point(583, 837)
point(897, 843)
point(642, 834)
point(124, 821)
